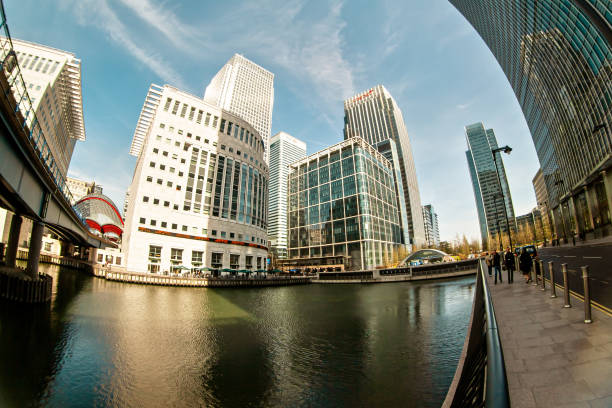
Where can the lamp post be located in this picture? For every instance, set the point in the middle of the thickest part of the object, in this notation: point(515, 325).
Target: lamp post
point(557, 184)
point(506, 149)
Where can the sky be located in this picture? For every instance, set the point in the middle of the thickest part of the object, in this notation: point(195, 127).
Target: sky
point(424, 52)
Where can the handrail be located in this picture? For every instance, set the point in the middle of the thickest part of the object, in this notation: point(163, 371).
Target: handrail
point(480, 379)
point(24, 110)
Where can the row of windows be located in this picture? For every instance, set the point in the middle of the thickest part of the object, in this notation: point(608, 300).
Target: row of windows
point(36, 63)
point(198, 260)
point(204, 231)
point(225, 126)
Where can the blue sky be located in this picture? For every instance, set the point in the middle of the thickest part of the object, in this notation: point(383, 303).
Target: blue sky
point(423, 51)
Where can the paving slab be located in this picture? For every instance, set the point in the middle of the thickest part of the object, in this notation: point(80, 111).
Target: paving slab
point(553, 359)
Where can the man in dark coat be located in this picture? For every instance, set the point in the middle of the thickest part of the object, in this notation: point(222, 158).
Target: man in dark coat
point(509, 262)
point(525, 265)
point(497, 266)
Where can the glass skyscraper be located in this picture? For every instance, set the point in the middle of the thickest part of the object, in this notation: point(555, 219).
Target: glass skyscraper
point(284, 150)
point(486, 184)
point(342, 204)
point(557, 57)
point(432, 231)
point(375, 116)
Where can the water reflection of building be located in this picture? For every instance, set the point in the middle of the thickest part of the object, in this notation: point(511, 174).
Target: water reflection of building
point(342, 203)
point(557, 57)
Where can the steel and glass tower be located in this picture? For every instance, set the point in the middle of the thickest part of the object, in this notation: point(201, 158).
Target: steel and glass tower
point(245, 89)
point(557, 56)
point(487, 192)
point(375, 116)
point(284, 150)
point(432, 231)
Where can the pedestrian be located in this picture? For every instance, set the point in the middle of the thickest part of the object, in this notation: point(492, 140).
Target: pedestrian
point(489, 261)
point(497, 266)
point(525, 265)
point(509, 262)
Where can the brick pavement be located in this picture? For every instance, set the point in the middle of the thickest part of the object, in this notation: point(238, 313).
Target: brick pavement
point(552, 358)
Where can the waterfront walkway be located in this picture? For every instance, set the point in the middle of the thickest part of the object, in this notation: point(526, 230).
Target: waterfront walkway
point(552, 358)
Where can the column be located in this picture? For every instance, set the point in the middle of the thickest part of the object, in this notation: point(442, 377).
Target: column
point(93, 255)
point(572, 210)
point(589, 204)
point(13, 241)
point(34, 252)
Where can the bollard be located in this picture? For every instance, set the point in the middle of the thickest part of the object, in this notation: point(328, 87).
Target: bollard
point(566, 292)
point(587, 296)
point(542, 272)
point(553, 294)
point(535, 275)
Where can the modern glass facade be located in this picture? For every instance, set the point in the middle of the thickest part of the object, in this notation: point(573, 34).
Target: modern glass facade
point(375, 116)
point(432, 231)
point(342, 202)
point(487, 192)
point(557, 57)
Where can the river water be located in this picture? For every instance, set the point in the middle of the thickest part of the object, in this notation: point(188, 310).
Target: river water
point(104, 343)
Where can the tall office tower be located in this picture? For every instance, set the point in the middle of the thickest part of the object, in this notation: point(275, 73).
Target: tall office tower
point(80, 188)
point(375, 116)
point(557, 56)
point(53, 81)
point(245, 89)
point(430, 220)
point(488, 183)
point(199, 194)
point(539, 187)
point(342, 208)
point(284, 150)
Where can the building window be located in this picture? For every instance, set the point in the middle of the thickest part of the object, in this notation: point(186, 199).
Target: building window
point(145, 199)
point(155, 150)
point(185, 228)
point(164, 224)
point(155, 253)
point(216, 260)
point(156, 201)
point(234, 261)
point(197, 258)
point(249, 262)
point(153, 222)
point(142, 220)
point(162, 167)
point(118, 260)
point(166, 203)
point(48, 246)
point(152, 164)
point(149, 179)
point(100, 258)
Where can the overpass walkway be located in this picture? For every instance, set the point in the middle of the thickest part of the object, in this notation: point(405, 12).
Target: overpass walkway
point(553, 359)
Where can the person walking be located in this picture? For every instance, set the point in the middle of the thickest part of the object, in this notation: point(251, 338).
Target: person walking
point(497, 266)
point(509, 262)
point(489, 261)
point(525, 265)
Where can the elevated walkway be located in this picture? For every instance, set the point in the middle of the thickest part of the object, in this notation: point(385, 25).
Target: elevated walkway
point(552, 357)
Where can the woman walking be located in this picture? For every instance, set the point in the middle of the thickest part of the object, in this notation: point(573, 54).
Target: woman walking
point(489, 260)
point(525, 265)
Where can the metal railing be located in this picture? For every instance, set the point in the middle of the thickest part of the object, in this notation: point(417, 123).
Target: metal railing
point(17, 96)
point(480, 379)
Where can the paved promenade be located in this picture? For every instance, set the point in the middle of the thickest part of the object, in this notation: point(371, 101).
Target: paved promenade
point(552, 358)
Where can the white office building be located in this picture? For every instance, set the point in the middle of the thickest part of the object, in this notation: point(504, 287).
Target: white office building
point(245, 89)
point(80, 188)
point(53, 81)
point(432, 231)
point(199, 194)
point(284, 150)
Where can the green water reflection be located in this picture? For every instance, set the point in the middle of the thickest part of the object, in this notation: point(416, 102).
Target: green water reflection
point(110, 344)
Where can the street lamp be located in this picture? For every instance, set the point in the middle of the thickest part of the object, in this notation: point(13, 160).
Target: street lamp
point(506, 149)
point(557, 184)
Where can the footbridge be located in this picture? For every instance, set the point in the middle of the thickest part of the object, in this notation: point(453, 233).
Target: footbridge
point(31, 183)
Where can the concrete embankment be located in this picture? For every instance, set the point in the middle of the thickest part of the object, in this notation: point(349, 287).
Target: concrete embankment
point(161, 280)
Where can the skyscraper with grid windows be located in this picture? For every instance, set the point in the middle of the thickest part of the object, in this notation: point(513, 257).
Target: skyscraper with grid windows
point(375, 116)
point(284, 150)
point(245, 89)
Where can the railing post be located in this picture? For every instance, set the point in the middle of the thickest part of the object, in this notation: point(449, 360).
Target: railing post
point(542, 272)
point(535, 275)
point(566, 292)
point(552, 280)
point(587, 296)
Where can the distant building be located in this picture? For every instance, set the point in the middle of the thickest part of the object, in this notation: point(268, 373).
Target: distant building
point(487, 186)
point(53, 81)
point(343, 207)
point(80, 188)
point(245, 89)
point(541, 193)
point(199, 195)
point(375, 116)
point(432, 231)
point(284, 150)
point(101, 215)
point(557, 56)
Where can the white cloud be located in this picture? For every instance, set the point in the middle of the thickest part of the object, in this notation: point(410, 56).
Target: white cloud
point(100, 14)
